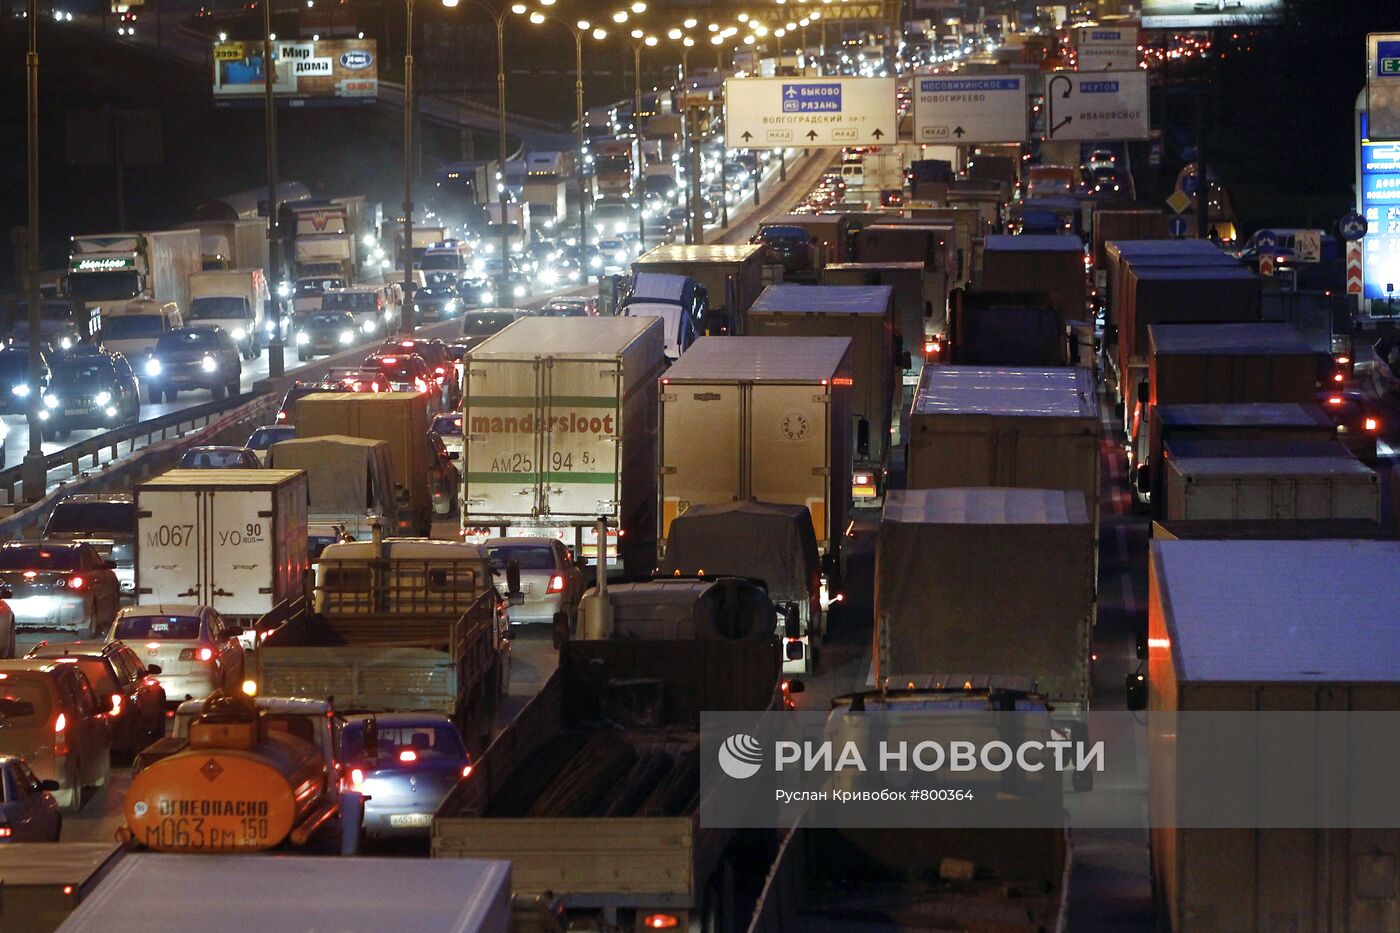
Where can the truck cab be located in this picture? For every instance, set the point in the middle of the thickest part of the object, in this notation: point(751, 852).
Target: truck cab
point(135, 327)
point(680, 302)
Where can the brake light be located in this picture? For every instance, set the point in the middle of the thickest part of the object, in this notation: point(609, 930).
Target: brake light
point(206, 654)
point(281, 416)
point(30, 575)
point(76, 582)
point(467, 771)
point(408, 755)
point(6, 832)
point(357, 778)
point(389, 360)
point(1343, 360)
point(60, 724)
point(60, 737)
point(660, 922)
point(1371, 424)
point(556, 584)
point(406, 343)
point(1334, 400)
point(116, 704)
point(931, 347)
point(1339, 377)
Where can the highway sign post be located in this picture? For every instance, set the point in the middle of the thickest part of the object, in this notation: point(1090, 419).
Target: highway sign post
point(974, 109)
point(1351, 227)
point(1383, 85)
point(769, 113)
point(1083, 106)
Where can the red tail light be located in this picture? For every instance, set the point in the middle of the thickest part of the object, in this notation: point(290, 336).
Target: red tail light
point(60, 737)
point(467, 771)
point(281, 416)
point(931, 347)
point(60, 724)
point(1334, 400)
point(6, 832)
point(206, 654)
point(357, 778)
point(389, 360)
point(116, 704)
point(1372, 424)
point(406, 343)
point(660, 922)
point(76, 582)
point(556, 584)
point(408, 755)
point(1339, 377)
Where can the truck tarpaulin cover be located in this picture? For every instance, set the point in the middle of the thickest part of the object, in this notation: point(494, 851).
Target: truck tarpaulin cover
point(340, 471)
point(840, 299)
point(764, 540)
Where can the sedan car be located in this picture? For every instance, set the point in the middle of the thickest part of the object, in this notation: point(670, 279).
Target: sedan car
point(320, 333)
point(196, 651)
point(114, 670)
point(436, 355)
point(264, 437)
point(107, 522)
point(15, 385)
point(58, 723)
point(405, 764)
point(90, 391)
point(286, 412)
point(573, 306)
point(59, 584)
point(550, 581)
point(28, 812)
point(193, 358)
point(1358, 419)
point(436, 303)
point(220, 458)
point(478, 325)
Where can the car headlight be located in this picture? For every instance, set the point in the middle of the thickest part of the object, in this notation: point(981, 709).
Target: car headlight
point(153, 367)
point(549, 276)
point(102, 398)
point(369, 327)
point(573, 275)
point(488, 248)
point(239, 333)
point(303, 337)
point(50, 401)
point(368, 240)
point(209, 364)
point(21, 389)
point(284, 289)
point(620, 226)
point(518, 291)
point(451, 306)
point(595, 262)
point(110, 411)
point(347, 336)
point(66, 343)
point(488, 298)
point(269, 325)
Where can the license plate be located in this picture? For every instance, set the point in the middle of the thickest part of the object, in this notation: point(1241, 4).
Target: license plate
point(410, 819)
point(74, 412)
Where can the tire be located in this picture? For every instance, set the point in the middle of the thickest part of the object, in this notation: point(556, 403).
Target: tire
point(73, 801)
point(303, 357)
point(47, 433)
point(58, 828)
point(216, 393)
point(64, 432)
point(234, 388)
point(153, 395)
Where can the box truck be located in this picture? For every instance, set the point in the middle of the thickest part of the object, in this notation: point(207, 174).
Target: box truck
point(865, 314)
point(559, 426)
point(913, 313)
point(1119, 225)
point(732, 275)
point(107, 270)
point(1048, 263)
point(232, 244)
point(1228, 631)
point(231, 539)
point(235, 300)
point(1281, 488)
point(765, 418)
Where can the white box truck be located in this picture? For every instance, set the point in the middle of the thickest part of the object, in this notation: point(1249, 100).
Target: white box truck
point(108, 270)
point(231, 244)
point(1278, 488)
point(763, 418)
point(234, 300)
point(559, 430)
point(231, 539)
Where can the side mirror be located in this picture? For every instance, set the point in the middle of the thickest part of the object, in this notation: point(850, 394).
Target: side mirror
point(6, 593)
point(153, 669)
point(1142, 646)
point(49, 785)
point(371, 742)
point(1136, 690)
point(513, 595)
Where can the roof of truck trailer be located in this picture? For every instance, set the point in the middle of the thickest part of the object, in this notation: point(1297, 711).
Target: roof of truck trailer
point(1213, 260)
point(215, 478)
point(1132, 249)
point(1217, 447)
point(873, 266)
point(834, 299)
point(1335, 465)
point(1281, 611)
point(1227, 339)
point(565, 337)
point(986, 506)
point(761, 359)
point(1034, 243)
point(714, 253)
point(1275, 414)
point(1061, 392)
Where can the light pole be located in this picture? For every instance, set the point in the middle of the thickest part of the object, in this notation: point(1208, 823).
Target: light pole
point(33, 476)
point(692, 176)
point(499, 18)
point(578, 30)
point(640, 39)
point(276, 360)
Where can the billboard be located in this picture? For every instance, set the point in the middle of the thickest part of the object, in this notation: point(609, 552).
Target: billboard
point(1204, 14)
point(344, 70)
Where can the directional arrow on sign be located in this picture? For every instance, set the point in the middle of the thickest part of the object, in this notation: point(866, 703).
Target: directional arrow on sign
point(1063, 123)
point(811, 134)
point(959, 132)
point(878, 133)
point(746, 136)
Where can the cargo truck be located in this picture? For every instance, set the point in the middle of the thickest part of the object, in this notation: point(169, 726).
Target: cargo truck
point(326, 236)
point(107, 270)
point(350, 480)
point(1019, 328)
point(865, 314)
point(1119, 225)
point(760, 418)
point(913, 313)
point(731, 274)
point(1027, 428)
point(41, 883)
point(1048, 263)
point(235, 300)
point(401, 420)
point(1278, 488)
point(231, 539)
point(232, 244)
point(396, 624)
point(934, 246)
point(559, 427)
point(967, 227)
point(591, 792)
point(1217, 616)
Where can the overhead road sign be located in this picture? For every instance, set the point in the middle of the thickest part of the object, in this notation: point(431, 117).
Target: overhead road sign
point(1084, 106)
point(1207, 14)
point(973, 109)
point(1379, 191)
point(1383, 86)
point(769, 113)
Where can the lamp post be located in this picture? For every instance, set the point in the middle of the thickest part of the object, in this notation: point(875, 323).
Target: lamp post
point(578, 30)
point(33, 476)
point(639, 39)
point(499, 18)
point(692, 179)
point(276, 359)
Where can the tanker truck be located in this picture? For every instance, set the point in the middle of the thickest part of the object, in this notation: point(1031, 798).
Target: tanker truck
point(241, 775)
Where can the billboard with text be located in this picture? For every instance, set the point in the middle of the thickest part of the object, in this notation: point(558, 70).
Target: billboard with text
point(345, 69)
point(1204, 14)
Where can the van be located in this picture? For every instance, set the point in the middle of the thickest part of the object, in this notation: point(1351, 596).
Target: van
point(58, 723)
point(375, 307)
point(853, 174)
point(680, 302)
point(132, 329)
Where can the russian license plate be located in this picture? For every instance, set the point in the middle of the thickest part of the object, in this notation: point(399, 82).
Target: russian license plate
point(410, 819)
point(75, 412)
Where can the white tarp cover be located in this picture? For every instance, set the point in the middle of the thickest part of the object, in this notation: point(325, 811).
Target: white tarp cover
point(338, 471)
point(763, 540)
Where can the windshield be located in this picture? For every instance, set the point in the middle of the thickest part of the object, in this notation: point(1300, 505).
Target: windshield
point(93, 517)
point(612, 165)
point(96, 670)
point(563, 310)
point(207, 308)
point(444, 279)
point(440, 261)
point(174, 628)
point(349, 301)
point(311, 287)
point(448, 425)
point(89, 371)
point(188, 340)
point(14, 366)
point(103, 286)
point(213, 459)
point(660, 184)
point(330, 320)
point(402, 745)
point(38, 557)
point(528, 556)
point(131, 326)
point(263, 438)
point(485, 324)
point(401, 369)
point(24, 700)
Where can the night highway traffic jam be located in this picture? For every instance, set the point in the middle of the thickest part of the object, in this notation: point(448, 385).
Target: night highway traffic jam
point(789, 466)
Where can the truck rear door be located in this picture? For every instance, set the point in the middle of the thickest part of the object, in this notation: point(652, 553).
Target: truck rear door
point(168, 530)
point(501, 450)
point(241, 566)
point(580, 439)
point(788, 450)
point(701, 447)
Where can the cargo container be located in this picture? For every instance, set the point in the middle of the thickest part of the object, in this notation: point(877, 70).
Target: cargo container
point(934, 246)
point(865, 314)
point(232, 244)
point(350, 480)
point(399, 418)
point(912, 317)
point(731, 274)
point(1270, 530)
point(1119, 225)
point(997, 582)
point(764, 418)
point(108, 270)
point(41, 883)
point(1005, 329)
point(1228, 631)
point(231, 539)
point(967, 226)
point(559, 421)
point(1281, 488)
point(1027, 428)
point(1053, 264)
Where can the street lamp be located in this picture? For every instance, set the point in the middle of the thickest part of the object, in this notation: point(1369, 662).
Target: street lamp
point(578, 30)
point(694, 230)
point(640, 38)
point(34, 476)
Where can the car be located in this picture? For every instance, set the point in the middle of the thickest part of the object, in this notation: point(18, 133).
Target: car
point(786, 245)
point(90, 391)
point(448, 426)
point(107, 522)
point(63, 324)
point(573, 306)
point(264, 437)
point(58, 584)
point(58, 724)
point(478, 325)
point(28, 810)
point(1105, 181)
point(201, 357)
point(220, 457)
point(520, 283)
point(320, 535)
point(405, 372)
point(551, 582)
point(374, 307)
point(405, 764)
point(436, 302)
point(306, 294)
point(616, 253)
point(433, 352)
point(1102, 158)
point(321, 333)
point(1358, 419)
point(196, 651)
point(298, 390)
point(115, 670)
point(15, 385)
point(443, 476)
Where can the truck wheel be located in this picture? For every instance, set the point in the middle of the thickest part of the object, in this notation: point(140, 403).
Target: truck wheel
point(152, 395)
point(216, 393)
point(303, 356)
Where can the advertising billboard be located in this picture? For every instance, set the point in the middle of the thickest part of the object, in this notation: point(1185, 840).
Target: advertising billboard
point(329, 70)
point(1204, 14)
point(1379, 194)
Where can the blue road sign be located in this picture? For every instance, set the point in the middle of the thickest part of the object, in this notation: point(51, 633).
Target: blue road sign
point(1352, 226)
point(812, 98)
point(1265, 241)
point(1178, 226)
point(1189, 186)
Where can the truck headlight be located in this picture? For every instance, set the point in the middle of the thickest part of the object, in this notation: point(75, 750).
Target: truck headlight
point(209, 364)
point(153, 367)
point(67, 342)
point(239, 334)
point(347, 337)
point(595, 262)
point(284, 289)
point(369, 327)
point(518, 291)
point(21, 389)
point(451, 306)
point(549, 276)
point(303, 338)
point(50, 401)
point(368, 240)
point(102, 398)
point(270, 325)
